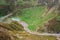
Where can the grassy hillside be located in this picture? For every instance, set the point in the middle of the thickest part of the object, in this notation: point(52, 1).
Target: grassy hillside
point(33, 16)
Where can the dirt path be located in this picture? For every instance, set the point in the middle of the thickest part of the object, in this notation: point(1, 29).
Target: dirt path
point(25, 25)
point(6, 16)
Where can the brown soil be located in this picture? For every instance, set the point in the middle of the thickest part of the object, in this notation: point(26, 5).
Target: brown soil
point(4, 35)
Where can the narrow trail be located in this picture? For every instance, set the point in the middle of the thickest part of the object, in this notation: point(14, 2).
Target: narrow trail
point(25, 25)
point(6, 16)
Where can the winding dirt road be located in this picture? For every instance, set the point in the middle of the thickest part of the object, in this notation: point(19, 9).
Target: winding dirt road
point(25, 25)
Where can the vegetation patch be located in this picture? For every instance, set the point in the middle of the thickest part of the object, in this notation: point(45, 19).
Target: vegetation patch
point(33, 16)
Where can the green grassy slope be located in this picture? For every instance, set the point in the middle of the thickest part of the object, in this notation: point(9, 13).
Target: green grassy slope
point(33, 16)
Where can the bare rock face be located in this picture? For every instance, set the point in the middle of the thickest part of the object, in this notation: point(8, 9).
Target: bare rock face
point(4, 35)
